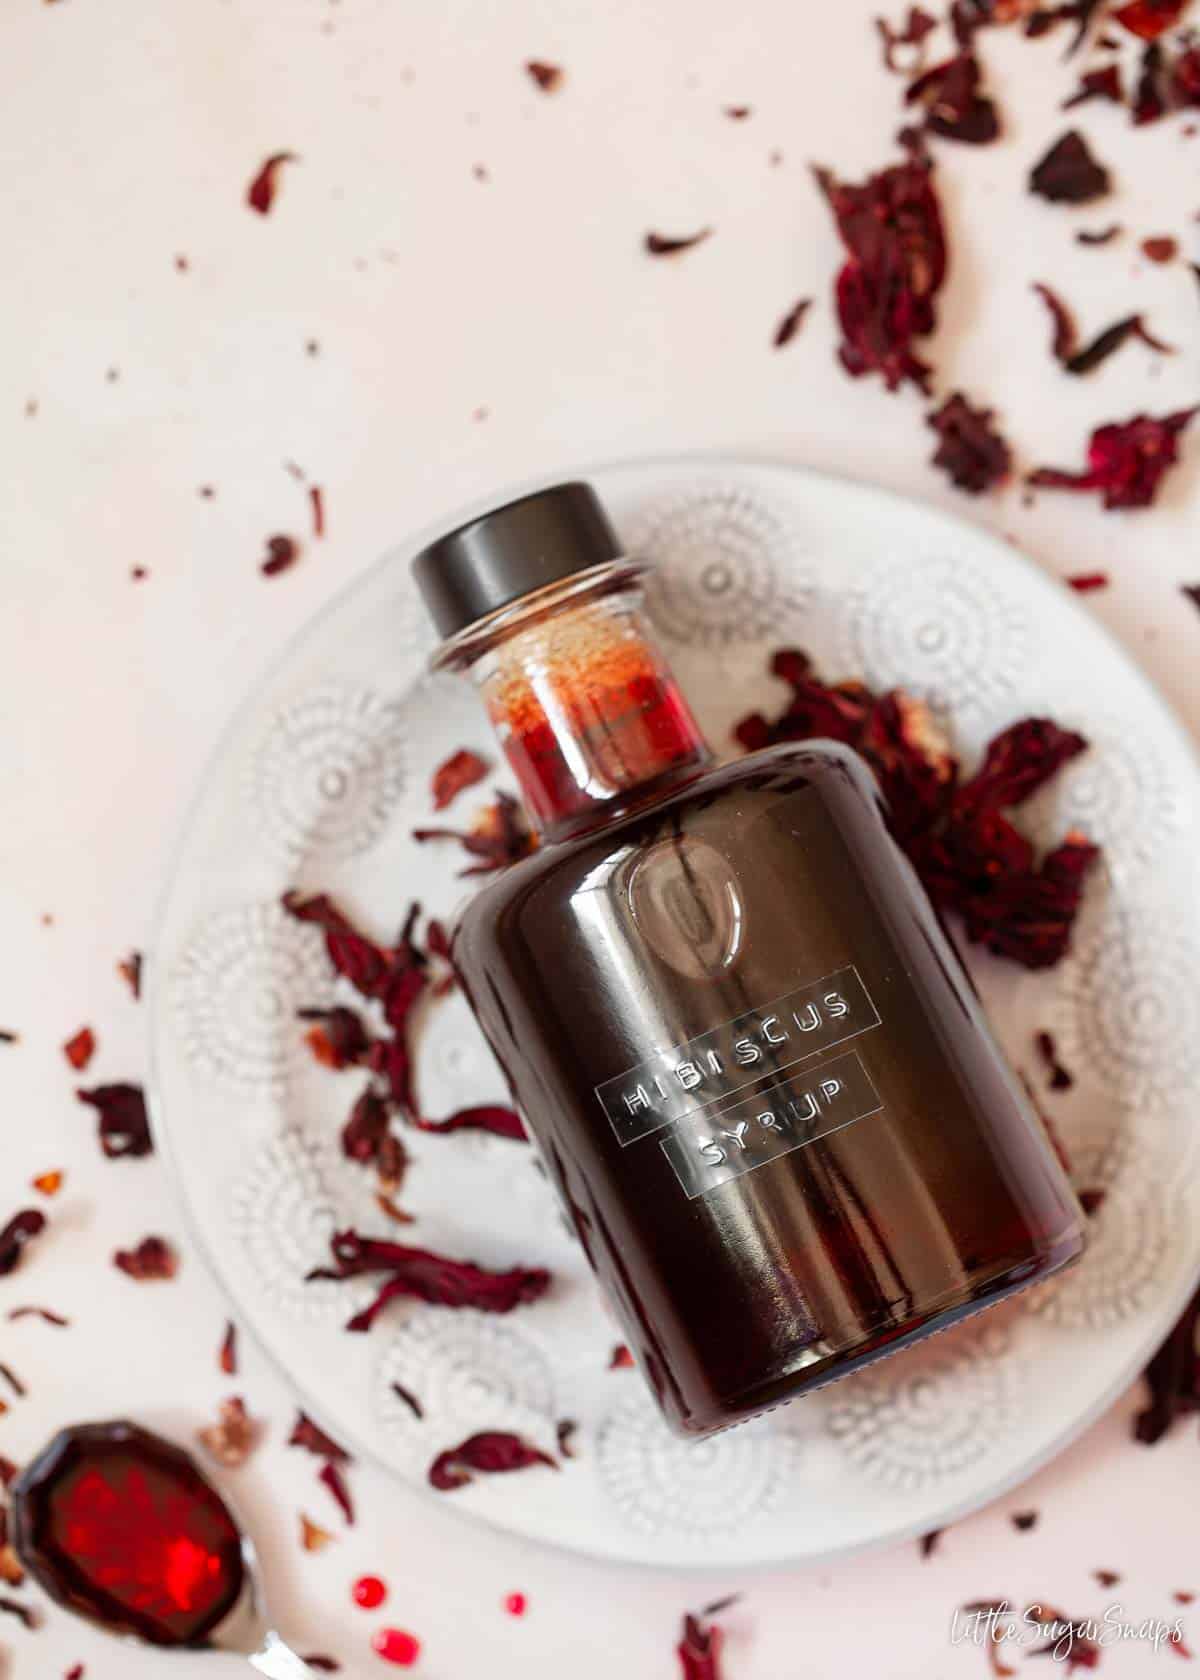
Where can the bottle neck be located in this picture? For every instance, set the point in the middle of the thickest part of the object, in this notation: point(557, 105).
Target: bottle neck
point(584, 705)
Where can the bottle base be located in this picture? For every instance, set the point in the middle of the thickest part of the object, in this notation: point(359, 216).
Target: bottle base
point(797, 1384)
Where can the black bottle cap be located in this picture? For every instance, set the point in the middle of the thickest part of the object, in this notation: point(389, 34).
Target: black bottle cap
point(511, 551)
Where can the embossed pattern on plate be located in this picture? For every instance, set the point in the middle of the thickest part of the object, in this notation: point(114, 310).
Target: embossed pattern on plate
point(320, 784)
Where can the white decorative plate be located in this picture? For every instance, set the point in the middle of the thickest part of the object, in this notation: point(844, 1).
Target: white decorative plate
point(318, 785)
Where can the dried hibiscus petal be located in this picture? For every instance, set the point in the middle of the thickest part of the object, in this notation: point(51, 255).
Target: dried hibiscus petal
point(917, 25)
point(699, 1650)
point(492, 1451)
point(124, 1128)
point(312, 1537)
point(232, 1438)
point(1019, 761)
point(791, 323)
point(331, 1477)
point(282, 552)
point(891, 226)
point(130, 970)
point(1185, 74)
point(1098, 84)
point(1160, 248)
point(22, 1612)
point(310, 1436)
point(48, 1183)
point(80, 1048)
point(500, 836)
point(1060, 1078)
point(1151, 96)
point(1085, 582)
point(663, 245)
point(1100, 236)
point(260, 194)
point(461, 770)
point(227, 1360)
point(954, 107)
point(357, 958)
point(1173, 1377)
point(20, 1230)
point(620, 1359)
point(152, 1261)
point(970, 450)
point(1127, 460)
point(546, 76)
point(487, 1117)
point(1148, 19)
point(1069, 174)
point(339, 1039)
point(44, 1313)
point(365, 1133)
point(422, 1275)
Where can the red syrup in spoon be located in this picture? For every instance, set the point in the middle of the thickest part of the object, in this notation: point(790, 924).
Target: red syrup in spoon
point(120, 1526)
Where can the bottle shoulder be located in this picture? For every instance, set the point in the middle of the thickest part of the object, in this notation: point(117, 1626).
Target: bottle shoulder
point(788, 768)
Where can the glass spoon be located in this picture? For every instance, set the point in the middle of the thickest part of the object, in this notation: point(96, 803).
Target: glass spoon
point(122, 1527)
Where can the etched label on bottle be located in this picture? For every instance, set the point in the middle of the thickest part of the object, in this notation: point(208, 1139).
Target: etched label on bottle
point(707, 1150)
point(693, 1076)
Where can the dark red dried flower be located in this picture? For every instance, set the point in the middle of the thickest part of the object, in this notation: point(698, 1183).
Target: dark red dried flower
point(738, 113)
point(1127, 460)
point(13, 1380)
point(917, 25)
point(931, 1541)
point(463, 769)
point(124, 1128)
point(323, 1664)
point(1160, 249)
point(44, 1313)
point(339, 1040)
point(75, 1672)
point(546, 76)
point(22, 1612)
point(316, 500)
point(1102, 236)
point(1192, 591)
point(1185, 74)
point(354, 956)
point(80, 1048)
point(1151, 98)
point(130, 970)
point(390, 1059)
point(1173, 1377)
point(1023, 1521)
point(409, 1399)
point(1098, 84)
point(620, 1359)
point(1148, 19)
point(969, 856)
point(954, 107)
point(333, 1479)
point(260, 194)
point(1069, 174)
point(8, 1472)
point(492, 1451)
point(1069, 1642)
point(891, 225)
point(1060, 1078)
point(970, 450)
point(564, 1431)
point(662, 245)
point(310, 1436)
point(1084, 582)
point(1065, 345)
point(365, 1133)
point(699, 1649)
point(1106, 1577)
point(234, 1436)
point(487, 1117)
point(791, 323)
point(20, 1230)
point(500, 836)
point(227, 1360)
point(419, 1274)
point(1018, 762)
point(282, 552)
point(152, 1261)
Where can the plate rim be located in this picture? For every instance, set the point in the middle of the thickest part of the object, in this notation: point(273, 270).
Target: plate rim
point(243, 706)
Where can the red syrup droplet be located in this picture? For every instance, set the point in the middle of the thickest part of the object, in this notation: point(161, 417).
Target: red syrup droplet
point(396, 1646)
point(120, 1526)
point(516, 1604)
point(369, 1592)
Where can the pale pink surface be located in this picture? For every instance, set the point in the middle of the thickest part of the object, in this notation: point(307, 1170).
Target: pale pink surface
point(130, 136)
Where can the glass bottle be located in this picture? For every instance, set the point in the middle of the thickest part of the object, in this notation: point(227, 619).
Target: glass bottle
point(757, 1071)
